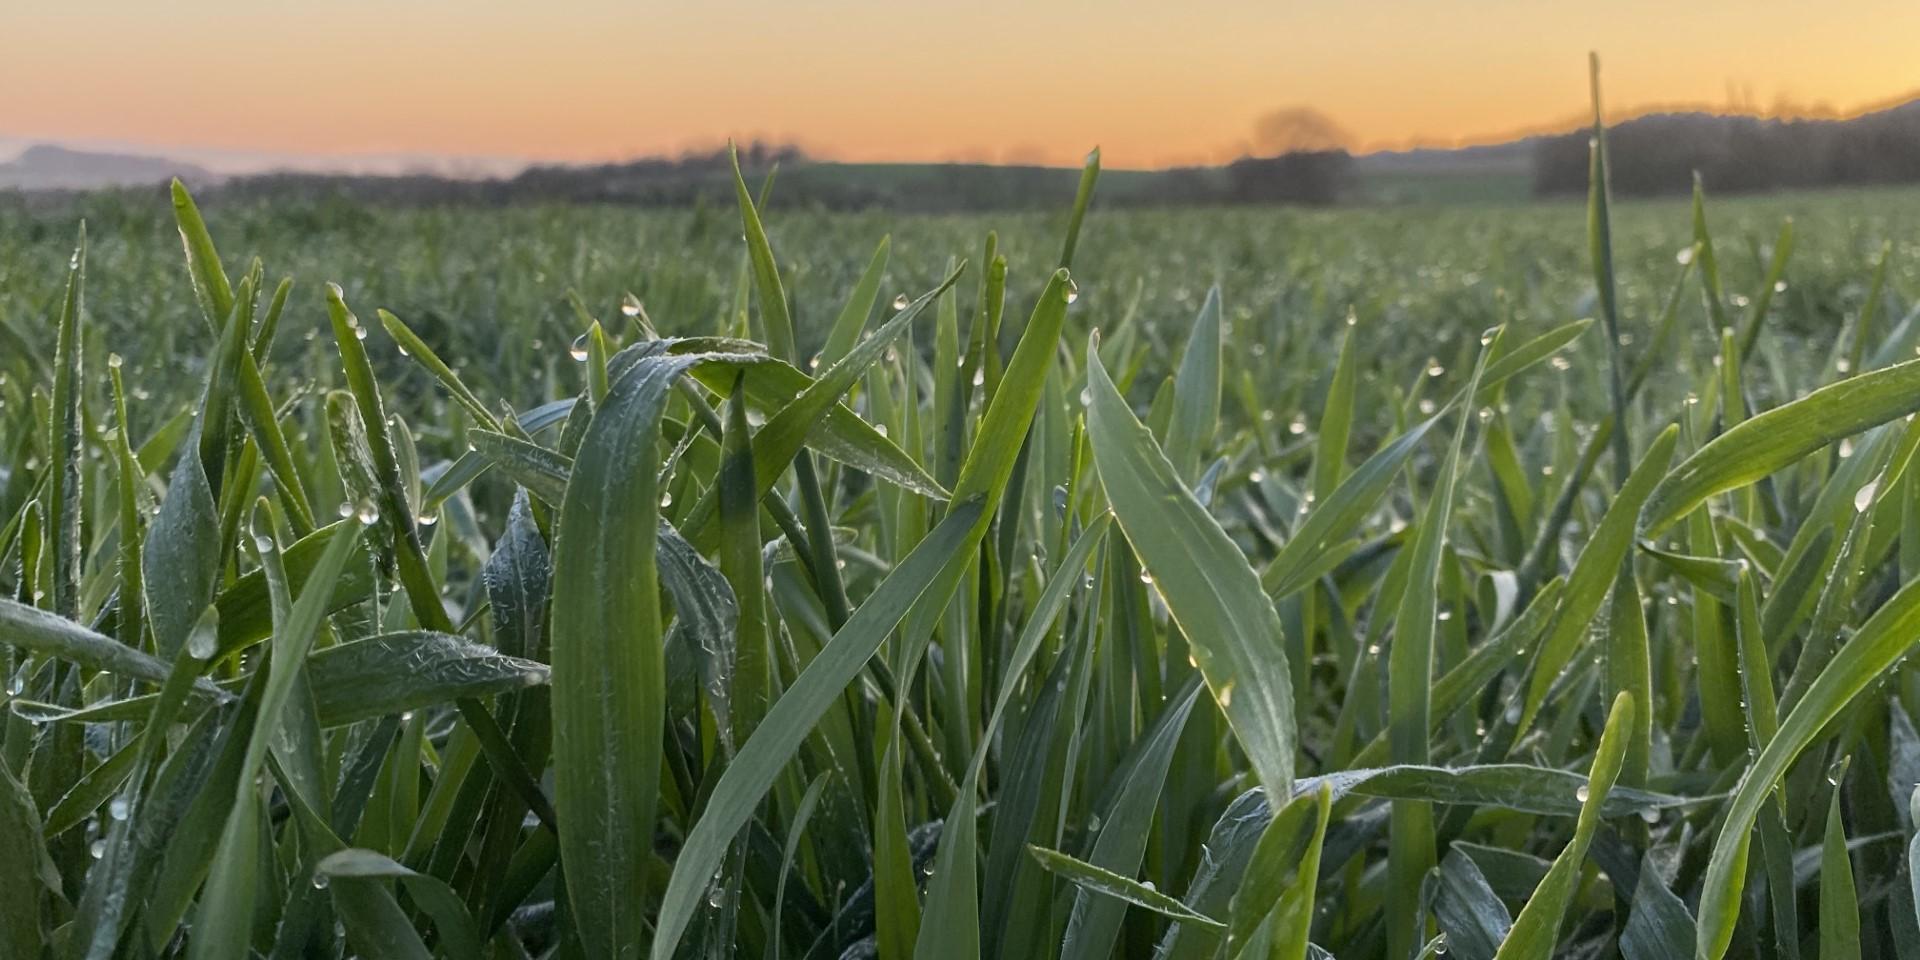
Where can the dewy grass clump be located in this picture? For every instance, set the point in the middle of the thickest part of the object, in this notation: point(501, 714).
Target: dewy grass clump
point(946, 626)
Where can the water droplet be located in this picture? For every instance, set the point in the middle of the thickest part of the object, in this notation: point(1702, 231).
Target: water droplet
point(406, 717)
point(346, 508)
point(630, 308)
point(1779, 286)
point(1226, 694)
point(1512, 715)
point(263, 543)
point(1093, 822)
point(1582, 793)
point(1434, 368)
point(1684, 257)
point(1836, 771)
point(320, 881)
point(666, 499)
point(203, 641)
point(1650, 816)
point(1373, 649)
point(1440, 945)
point(359, 332)
point(1298, 426)
point(1560, 363)
point(1146, 576)
point(1258, 476)
point(1863, 498)
point(1846, 448)
point(1427, 407)
point(579, 349)
point(427, 519)
point(716, 898)
point(366, 513)
point(900, 302)
point(1444, 616)
point(1073, 291)
point(1148, 884)
point(880, 428)
point(979, 377)
point(98, 849)
point(403, 350)
point(118, 808)
point(1086, 397)
point(114, 361)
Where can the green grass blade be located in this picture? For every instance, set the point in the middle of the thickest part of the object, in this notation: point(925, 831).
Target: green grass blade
point(766, 275)
point(846, 329)
point(1839, 904)
point(1336, 418)
point(27, 874)
point(1277, 890)
point(760, 760)
point(1595, 571)
point(1409, 685)
point(1876, 645)
point(1086, 876)
point(1082, 198)
point(64, 440)
point(1209, 589)
point(1536, 931)
point(1196, 391)
point(740, 561)
point(1780, 437)
point(609, 673)
point(1125, 815)
point(397, 672)
point(203, 261)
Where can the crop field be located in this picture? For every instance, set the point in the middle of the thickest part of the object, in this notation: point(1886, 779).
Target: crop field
point(1513, 581)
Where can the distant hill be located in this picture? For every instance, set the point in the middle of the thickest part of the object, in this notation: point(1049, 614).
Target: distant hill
point(1660, 153)
point(1653, 154)
point(49, 167)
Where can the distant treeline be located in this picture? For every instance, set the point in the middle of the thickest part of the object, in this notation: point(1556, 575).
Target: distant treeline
point(1658, 154)
point(1308, 178)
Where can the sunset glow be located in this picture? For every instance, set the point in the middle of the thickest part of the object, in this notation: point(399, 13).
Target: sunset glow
point(1154, 84)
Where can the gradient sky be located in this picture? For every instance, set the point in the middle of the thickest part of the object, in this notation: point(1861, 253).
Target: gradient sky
point(1152, 82)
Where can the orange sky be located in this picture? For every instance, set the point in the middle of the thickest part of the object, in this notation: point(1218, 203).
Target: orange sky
point(1152, 82)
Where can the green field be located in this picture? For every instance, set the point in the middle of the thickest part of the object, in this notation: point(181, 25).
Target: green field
point(593, 582)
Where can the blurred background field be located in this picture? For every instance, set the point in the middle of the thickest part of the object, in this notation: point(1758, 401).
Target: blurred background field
point(491, 286)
